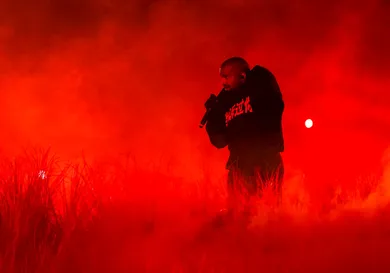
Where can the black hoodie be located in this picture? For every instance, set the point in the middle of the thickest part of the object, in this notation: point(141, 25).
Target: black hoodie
point(249, 120)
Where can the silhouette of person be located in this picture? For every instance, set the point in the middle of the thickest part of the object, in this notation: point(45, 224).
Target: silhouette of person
point(247, 118)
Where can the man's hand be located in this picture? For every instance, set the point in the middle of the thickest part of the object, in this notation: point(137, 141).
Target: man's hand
point(211, 102)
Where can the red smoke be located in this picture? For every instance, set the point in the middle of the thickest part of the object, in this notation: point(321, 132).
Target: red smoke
point(118, 77)
point(112, 77)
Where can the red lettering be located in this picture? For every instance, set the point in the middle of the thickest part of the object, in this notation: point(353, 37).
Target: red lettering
point(238, 109)
point(248, 106)
point(228, 117)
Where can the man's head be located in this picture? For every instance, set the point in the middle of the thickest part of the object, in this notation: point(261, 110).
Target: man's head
point(233, 72)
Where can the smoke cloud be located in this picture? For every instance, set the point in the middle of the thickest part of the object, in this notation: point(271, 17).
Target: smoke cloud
point(113, 77)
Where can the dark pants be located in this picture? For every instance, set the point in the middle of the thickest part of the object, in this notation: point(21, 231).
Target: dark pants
point(250, 179)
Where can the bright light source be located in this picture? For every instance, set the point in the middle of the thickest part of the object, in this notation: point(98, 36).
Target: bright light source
point(42, 174)
point(309, 123)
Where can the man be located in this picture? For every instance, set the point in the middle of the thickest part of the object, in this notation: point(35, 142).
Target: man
point(247, 117)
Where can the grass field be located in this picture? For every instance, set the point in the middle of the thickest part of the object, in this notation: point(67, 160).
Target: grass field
point(58, 217)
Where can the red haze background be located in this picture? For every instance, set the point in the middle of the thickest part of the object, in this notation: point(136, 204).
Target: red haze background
point(130, 77)
point(109, 76)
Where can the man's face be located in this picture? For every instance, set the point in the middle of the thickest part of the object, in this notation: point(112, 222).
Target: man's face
point(231, 77)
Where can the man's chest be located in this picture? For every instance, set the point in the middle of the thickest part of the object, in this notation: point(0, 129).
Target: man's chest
point(237, 106)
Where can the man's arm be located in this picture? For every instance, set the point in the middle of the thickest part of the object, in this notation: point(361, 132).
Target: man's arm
point(216, 128)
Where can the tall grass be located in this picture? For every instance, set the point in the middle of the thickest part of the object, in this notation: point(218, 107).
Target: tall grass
point(114, 217)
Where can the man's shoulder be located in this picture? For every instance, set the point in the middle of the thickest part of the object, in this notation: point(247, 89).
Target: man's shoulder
point(261, 71)
point(261, 77)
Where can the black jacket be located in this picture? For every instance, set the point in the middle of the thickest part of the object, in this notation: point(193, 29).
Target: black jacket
point(249, 120)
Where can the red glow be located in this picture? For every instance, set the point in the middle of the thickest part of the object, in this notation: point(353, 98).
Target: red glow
point(124, 85)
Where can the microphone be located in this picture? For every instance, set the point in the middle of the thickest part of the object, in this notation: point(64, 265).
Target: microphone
point(206, 115)
point(204, 119)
